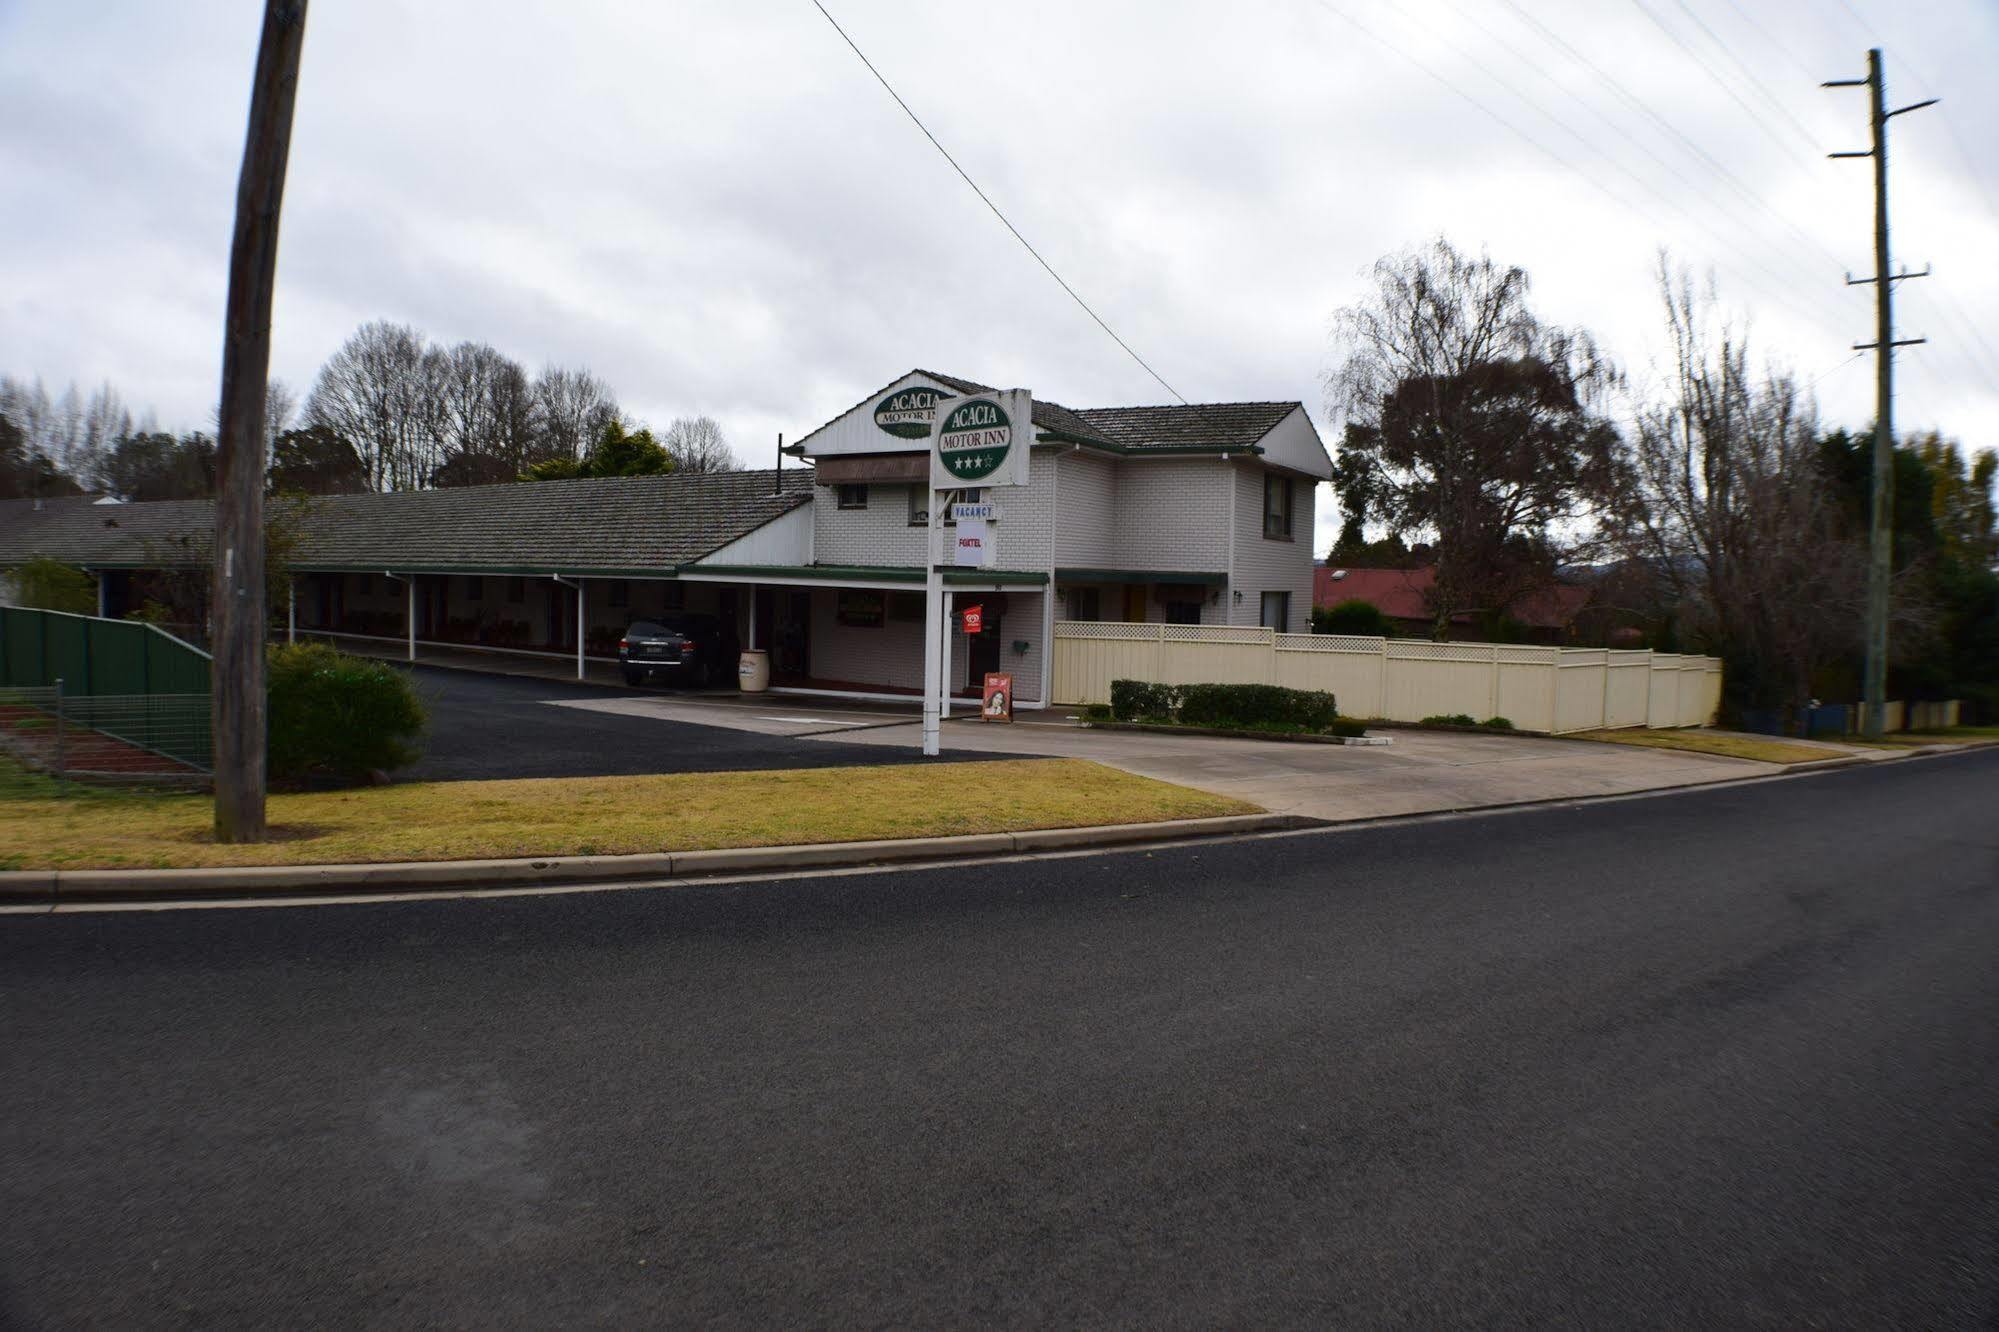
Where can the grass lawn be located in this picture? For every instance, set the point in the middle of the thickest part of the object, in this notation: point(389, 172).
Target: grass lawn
point(1706, 742)
point(91, 829)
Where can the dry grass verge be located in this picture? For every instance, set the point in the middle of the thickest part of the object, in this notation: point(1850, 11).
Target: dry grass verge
point(1707, 742)
point(595, 816)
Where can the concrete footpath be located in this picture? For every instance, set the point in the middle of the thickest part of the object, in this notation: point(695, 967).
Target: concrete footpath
point(1421, 772)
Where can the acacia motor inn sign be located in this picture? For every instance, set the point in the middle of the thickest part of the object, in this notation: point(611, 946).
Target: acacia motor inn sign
point(909, 413)
point(984, 440)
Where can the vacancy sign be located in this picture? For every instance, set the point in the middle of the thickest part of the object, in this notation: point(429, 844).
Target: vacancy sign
point(982, 440)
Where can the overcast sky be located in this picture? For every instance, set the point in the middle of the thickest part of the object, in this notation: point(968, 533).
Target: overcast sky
point(714, 206)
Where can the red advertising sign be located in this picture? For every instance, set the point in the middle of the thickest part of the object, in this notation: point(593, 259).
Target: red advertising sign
point(975, 619)
point(998, 697)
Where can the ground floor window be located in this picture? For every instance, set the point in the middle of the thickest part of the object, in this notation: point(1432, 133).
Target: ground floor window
point(475, 588)
point(1085, 603)
point(621, 593)
point(859, 609)
point(1182, 612)
point(1276, 611)
point(517, 591)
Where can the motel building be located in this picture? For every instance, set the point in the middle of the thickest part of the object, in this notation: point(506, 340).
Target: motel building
point(1181, 515)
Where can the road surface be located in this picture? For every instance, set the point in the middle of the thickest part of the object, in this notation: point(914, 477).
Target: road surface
point(1730, 1056)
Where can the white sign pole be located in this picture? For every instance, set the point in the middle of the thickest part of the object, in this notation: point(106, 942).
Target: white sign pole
point(980, 439)
point(933, 615)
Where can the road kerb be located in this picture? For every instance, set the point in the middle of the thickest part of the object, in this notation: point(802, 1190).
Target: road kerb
point(430, 875)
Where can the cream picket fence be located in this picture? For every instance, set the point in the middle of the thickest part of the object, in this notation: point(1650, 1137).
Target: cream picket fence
point(1536, 688)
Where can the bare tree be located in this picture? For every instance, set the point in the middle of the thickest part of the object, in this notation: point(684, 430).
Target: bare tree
point(105, 422)
point(516, 417)
point(280, 406)
point(1733, 509)
point(1470, 420)
point(574, 407)
point(373, 392)
point(696, 445)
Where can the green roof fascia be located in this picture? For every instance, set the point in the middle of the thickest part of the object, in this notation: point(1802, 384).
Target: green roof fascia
point(512, 570)
point(1147, 450)
point(872, 573)
point(1138, 576)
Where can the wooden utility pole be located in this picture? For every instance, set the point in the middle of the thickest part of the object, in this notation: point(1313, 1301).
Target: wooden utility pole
point(236, 705)
point(1881, 510)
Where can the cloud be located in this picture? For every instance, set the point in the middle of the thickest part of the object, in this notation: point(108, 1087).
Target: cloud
point(717, 208)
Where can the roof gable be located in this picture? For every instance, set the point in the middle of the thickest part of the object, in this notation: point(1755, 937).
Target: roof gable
point(856, 430)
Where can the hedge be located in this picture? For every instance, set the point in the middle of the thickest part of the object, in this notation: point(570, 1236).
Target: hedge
point(1252, 704)
point(1225, 706)
point(339, 718)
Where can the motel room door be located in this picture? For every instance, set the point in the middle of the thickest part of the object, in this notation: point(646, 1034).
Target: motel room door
point(984, 647)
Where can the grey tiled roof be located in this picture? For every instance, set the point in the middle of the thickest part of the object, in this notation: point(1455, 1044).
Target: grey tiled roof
point(1047, 415)
point(1201, 424)
point(621, 523)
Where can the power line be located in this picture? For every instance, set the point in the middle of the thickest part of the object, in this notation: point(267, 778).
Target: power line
point(1670, 201)
point(983, 198)
point(1531, 140)
point(1749, 76)
point(1709, 70)
point(1617, 89)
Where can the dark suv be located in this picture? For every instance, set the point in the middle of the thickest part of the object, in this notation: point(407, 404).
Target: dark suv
point(686, 649)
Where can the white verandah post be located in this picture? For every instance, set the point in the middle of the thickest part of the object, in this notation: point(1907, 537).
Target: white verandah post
point(579, 627)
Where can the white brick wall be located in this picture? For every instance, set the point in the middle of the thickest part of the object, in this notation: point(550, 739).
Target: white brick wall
point(878, 534)
point(1263, 565)
point(1086, 511)
point(881, 535)
point(1172, 514)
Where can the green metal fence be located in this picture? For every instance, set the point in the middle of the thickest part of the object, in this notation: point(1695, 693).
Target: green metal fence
point(94, 657)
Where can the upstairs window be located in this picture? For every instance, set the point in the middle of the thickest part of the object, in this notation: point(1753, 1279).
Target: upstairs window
point(852, 494)
point(1277, 507)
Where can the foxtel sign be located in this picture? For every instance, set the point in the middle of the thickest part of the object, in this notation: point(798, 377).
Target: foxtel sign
point(984, 439)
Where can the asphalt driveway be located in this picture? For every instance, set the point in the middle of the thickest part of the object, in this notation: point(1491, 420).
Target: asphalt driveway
point(494, 726)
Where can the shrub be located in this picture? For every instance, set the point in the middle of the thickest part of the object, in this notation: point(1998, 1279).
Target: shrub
point(1097, 712)
point(1349, 727)
point(46, 584)
point(1449, 719)
point(336, 717)
point(1238, 705)
point(1496, 724)
point(1132, 700)
point(1360, 618)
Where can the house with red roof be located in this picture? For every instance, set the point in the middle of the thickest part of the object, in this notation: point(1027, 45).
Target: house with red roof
point(1403, 595)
